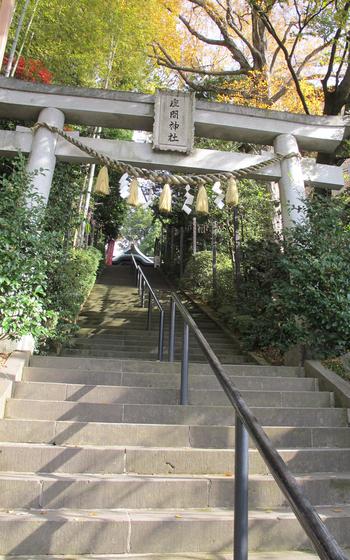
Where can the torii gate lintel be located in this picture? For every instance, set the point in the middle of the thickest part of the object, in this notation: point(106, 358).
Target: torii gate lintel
point(286, 132)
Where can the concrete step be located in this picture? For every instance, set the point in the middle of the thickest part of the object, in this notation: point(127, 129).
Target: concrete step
point(152, 338)
point(169, 414)
point(140, 322)
point(111, 323)
point(128, 354)
point(159, 380)
point(148, 350)
point(131, 327)
point(86, 491)
point(153, 531)
point(113, 343)
point(287, 555)
point(85, 332)
point(42, 458)
point(134, 311)
point(117, 310)
point(149, 366)
point(136, 395)
point(131, 343)
point(151, 435)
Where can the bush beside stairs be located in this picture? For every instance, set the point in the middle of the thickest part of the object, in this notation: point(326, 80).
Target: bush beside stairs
point(98, 458)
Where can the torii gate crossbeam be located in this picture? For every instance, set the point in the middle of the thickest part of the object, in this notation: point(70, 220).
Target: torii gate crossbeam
point(119, 109)
point(287, 132)
point(199, 161)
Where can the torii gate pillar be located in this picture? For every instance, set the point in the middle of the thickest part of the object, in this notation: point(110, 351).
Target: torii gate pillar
point(291, 184)
point(42, 155)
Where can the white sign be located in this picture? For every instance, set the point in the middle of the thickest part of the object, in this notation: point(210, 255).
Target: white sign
point(174, 121)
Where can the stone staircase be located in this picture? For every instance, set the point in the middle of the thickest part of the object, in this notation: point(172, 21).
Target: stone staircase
point(112, 323)
point(98, 458)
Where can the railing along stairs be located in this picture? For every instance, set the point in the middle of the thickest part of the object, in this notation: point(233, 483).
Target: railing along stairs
point(143, 285)
point(246, 425)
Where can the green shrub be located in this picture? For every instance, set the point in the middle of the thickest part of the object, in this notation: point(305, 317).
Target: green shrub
point(198, 278)
point(298, 290)
point(336, 365)
point(24, 251)
point(69, 287)
point(294, 291)
point(42, 284)
point(224, 278)
point(312, 298)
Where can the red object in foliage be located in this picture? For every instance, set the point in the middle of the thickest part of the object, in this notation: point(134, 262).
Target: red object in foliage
point(31, 70)
point(110, 251)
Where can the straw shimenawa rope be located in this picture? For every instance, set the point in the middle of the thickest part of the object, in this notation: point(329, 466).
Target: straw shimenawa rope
point(161, 176)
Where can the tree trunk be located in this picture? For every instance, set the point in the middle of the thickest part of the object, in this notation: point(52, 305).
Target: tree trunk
point(7, 8)
point(15, 41)
point(259, 42)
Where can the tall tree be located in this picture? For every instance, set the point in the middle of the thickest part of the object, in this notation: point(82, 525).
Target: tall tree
point(328, 21)
point(78, 41)
point(6, 11)
point(270, 53)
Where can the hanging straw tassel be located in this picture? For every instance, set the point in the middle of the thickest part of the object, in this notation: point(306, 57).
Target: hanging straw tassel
point(133, 198)
point(202, 206)
point(231, 198)
point(102, 182)
point(165, 199)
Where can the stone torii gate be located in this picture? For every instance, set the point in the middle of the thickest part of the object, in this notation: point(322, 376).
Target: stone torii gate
point(288, 133)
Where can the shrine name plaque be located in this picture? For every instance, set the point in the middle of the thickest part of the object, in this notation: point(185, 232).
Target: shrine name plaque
point(174, 121)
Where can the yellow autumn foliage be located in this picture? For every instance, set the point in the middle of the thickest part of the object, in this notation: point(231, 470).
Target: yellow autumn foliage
point(229, 26)
point(254, 91)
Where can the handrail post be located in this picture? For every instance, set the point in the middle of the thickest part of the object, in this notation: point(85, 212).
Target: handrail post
point(184, 366)
point(136, 268)
point(142, 291)
point(172, 330)
point(149, 312)
point(139, 278)
point(161, 336)
point(240, 547)
point(142, 285)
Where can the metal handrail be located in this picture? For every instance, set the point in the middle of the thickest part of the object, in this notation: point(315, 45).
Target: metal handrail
point(142, 284)
point(246, 423)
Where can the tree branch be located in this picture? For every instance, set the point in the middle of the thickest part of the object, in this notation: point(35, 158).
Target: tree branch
point(236, 53)
point(301, 66)
point(211, 88)
point(284, 39)
point(230, 20)
point(302, 25)
point(271, 29)
point(331, 60)
point(337, 74)
point(258, 31)
point(344, 87)
point(174, 66)
point(200, 36)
